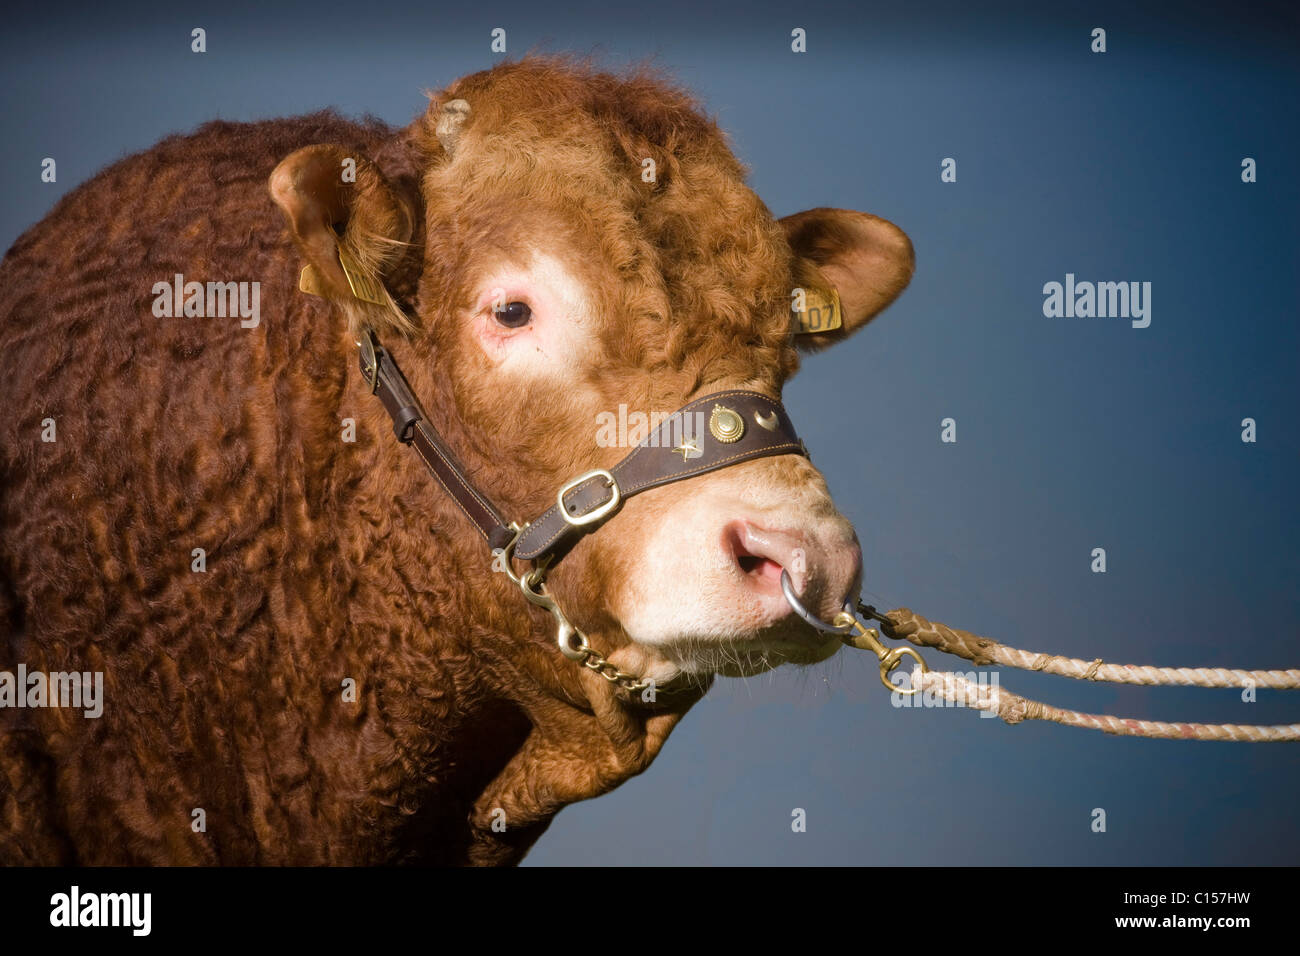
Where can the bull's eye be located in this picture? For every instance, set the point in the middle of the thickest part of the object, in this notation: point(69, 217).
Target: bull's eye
point(515, 315)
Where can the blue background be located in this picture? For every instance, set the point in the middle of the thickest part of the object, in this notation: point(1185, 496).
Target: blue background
point(1072, 433)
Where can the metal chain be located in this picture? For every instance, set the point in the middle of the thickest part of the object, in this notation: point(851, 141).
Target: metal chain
point(592, 660)
point(871, 614)
point(573, 643)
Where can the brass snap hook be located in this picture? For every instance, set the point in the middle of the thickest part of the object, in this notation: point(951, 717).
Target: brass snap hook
point(868, 639)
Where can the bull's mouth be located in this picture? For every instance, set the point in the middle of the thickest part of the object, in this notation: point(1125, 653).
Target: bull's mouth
point(770, 652)
point(788, 641)
point(759, 654)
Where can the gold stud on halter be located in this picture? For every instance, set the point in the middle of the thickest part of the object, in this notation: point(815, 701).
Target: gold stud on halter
point(725, 425)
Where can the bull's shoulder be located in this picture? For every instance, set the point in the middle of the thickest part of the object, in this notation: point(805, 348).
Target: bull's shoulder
point(184, 167)
point(185, 200)
point(121, 399)
point(88, 282)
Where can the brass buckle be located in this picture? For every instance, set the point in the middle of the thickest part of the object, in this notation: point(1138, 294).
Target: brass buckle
point(369, 361)
point(595, 514)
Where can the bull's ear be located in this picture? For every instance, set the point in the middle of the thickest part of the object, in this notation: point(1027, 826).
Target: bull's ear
point(351, 227)
point(848, 266)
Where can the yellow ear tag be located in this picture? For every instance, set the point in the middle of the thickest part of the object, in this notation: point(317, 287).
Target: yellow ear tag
point(821, 312)
point(363, 286)
point(310, 283)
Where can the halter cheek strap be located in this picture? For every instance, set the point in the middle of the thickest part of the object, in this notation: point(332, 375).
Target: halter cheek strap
point(412, 427)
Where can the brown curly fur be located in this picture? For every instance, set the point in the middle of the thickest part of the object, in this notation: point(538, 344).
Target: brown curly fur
point(328, 560)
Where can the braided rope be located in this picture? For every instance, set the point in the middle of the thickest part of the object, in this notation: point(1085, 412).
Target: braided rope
point(905, 624)
point(1013, 708)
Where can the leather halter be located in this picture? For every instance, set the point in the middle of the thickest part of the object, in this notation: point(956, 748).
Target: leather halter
point(742, 425)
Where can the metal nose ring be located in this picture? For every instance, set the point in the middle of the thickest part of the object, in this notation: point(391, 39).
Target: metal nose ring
point(787, 588)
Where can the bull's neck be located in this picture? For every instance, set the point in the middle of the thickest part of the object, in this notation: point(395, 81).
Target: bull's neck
point(579, 736)
point(415, 533)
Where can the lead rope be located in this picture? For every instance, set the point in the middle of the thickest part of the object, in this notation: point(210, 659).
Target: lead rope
point(905, 624)
point(1013, 708)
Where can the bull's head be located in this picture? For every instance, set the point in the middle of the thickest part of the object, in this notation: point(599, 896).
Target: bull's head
point(563, 257)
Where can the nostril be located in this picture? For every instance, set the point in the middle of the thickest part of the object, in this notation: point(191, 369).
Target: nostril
point(753, 555)
point(757, 566)
point(822, 574)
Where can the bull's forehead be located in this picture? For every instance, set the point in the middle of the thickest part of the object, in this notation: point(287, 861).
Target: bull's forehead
point(638, 193)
